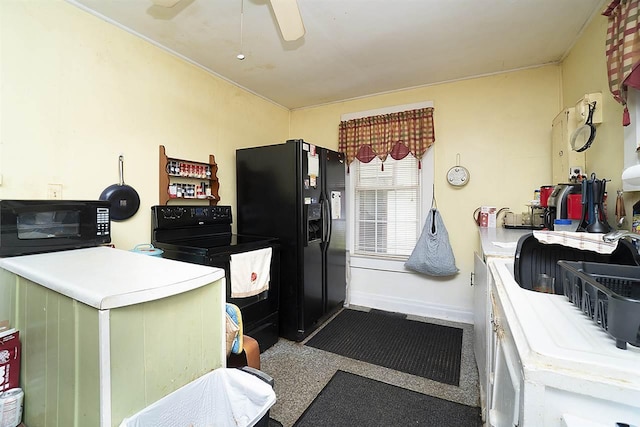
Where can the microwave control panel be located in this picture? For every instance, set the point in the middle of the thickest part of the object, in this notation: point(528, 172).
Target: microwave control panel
point(102, 222)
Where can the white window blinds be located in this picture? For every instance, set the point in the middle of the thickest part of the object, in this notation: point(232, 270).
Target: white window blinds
point(387, 207)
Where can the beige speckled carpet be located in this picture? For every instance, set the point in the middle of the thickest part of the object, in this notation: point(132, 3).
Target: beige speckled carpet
point(301, 372)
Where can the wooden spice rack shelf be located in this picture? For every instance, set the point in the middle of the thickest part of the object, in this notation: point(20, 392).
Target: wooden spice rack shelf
point(187, 179)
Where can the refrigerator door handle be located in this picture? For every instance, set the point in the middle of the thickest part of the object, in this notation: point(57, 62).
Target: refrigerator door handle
point(324, 220)
point(330, 223)
point(327, 220)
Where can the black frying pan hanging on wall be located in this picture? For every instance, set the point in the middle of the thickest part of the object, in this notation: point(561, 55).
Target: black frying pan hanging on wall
point(124, 200)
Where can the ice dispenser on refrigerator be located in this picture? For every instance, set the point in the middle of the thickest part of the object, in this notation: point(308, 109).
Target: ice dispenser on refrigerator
point(313, 213)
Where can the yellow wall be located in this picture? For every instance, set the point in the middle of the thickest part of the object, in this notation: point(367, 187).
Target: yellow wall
point(585, 71)
point(77, 92)
point(500, 125)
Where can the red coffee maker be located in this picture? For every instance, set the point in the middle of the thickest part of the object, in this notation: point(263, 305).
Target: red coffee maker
point(557, 203)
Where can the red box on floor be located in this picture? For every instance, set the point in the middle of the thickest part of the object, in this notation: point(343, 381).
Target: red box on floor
point(9, 360)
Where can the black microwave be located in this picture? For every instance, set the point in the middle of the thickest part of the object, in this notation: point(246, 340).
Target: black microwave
point(36, 226)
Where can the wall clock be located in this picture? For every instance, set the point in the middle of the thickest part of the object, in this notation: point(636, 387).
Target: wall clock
point(458, 176)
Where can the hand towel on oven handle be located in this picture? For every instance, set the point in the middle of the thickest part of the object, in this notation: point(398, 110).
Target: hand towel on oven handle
point(250, 272)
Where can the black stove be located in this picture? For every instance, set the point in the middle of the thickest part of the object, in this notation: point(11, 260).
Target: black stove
point(202, 235)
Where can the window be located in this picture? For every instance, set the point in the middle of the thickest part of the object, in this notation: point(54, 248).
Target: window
point(387, 206)
point(387, 203)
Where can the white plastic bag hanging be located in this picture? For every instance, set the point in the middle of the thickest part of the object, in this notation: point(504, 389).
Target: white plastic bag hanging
point(433, 254)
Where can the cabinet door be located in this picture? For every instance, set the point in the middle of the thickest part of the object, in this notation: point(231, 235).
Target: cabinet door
point(505, 402)
point(563, 158)
point(505, 374)
point(480, 321)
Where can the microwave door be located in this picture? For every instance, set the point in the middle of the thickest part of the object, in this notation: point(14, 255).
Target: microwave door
point(37, 226)
point(48, 225)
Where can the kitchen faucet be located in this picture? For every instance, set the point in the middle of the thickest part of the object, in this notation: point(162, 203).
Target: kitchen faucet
point(614, 236)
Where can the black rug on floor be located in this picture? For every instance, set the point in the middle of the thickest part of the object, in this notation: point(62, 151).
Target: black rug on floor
point(352, 400)
point(418, 348)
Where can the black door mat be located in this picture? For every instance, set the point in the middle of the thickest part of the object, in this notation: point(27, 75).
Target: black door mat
point(352, 400)
point(417, 348)
point(388, 313)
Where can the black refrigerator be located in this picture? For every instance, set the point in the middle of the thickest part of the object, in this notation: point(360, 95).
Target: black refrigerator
point(295, 191)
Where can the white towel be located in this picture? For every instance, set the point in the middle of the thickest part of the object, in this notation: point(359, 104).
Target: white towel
point(585, 241)
point(250, 273)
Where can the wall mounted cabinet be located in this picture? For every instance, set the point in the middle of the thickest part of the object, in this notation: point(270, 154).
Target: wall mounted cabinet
point(564, 159)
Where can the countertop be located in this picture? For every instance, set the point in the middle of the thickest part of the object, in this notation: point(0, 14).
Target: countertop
point(500, 241)
point(106, 278)
point(556, 340)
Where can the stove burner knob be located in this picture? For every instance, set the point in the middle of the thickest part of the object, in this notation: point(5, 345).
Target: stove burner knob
point(178, 212)
point(166, 213)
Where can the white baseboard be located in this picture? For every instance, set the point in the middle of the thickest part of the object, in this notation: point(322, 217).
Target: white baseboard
point(406, 306)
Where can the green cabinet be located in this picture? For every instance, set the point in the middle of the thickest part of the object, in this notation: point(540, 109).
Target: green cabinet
point(83, 366)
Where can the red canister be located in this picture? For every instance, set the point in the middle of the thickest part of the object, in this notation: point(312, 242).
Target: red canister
point(545, 192)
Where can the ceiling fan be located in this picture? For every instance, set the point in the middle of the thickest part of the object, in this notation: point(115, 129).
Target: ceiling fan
point(286, 12)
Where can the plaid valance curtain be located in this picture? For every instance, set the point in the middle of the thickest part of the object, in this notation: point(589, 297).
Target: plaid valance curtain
point(395, 134)
point(623, 49)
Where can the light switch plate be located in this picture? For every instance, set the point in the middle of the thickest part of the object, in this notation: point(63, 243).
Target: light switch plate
point(54, 191)
point(575, 172)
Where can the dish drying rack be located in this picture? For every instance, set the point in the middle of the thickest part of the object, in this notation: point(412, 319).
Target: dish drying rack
point(609, 294)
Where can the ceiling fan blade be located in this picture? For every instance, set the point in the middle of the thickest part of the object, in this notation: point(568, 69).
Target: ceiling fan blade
point(289, 19)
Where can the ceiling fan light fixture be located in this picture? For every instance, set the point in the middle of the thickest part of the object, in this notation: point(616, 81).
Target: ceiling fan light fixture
point(165, 3)
point(289, 20)
point(240, 56)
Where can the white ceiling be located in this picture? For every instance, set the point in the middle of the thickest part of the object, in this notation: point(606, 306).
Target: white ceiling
point(355, 48)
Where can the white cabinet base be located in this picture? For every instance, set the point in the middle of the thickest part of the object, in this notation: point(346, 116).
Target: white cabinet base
point(549, 362)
